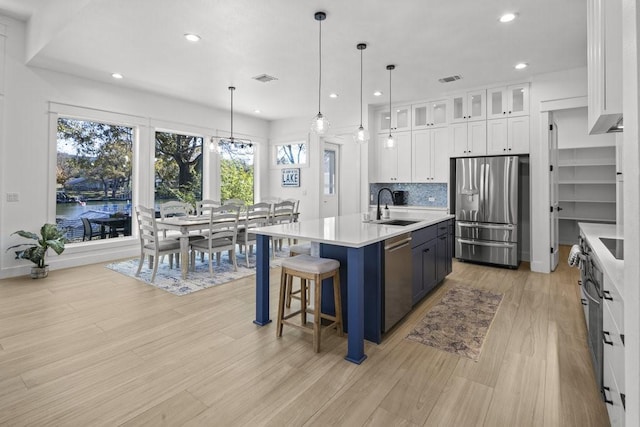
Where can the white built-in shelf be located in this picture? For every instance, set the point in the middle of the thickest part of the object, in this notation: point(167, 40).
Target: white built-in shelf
point(582, 182)
point(586, 201)
point(586, 162)
point(582, 219)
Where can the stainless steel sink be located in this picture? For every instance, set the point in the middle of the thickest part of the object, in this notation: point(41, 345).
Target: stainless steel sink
point(401, 222)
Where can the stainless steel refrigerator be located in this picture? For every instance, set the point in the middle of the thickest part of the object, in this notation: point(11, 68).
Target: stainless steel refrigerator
point(487, 210)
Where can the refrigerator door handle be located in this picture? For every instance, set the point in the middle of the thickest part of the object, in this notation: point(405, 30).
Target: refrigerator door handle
point(490, 244)
point(484, 225)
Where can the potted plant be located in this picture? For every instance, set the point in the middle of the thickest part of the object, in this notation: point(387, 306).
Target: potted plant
point(50, 237)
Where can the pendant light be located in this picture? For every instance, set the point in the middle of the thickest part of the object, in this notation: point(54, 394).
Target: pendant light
point(320, 124)
point(390, 142)
point(361, 135)
point(236, 142)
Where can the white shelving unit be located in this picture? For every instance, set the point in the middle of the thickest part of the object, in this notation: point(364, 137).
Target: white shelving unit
point(587, 188)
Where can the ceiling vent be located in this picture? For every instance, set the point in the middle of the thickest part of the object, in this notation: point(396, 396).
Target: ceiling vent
point(450, 79)
point(264, 78)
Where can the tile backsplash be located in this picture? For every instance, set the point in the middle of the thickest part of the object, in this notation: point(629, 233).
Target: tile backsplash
point(417, 194)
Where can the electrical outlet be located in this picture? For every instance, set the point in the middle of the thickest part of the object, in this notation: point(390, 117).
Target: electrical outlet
point(371, 198)
point(432, 199)
point(13, 197)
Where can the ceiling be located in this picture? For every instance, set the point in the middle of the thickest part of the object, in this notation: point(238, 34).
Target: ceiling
point(425, 39)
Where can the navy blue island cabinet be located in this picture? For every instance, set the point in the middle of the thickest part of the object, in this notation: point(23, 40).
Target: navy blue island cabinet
point(432, 253)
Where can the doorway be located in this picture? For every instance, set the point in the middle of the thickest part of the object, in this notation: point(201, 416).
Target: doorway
point(330, 205)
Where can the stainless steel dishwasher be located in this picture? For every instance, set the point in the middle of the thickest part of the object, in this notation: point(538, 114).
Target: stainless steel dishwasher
point(398, 275)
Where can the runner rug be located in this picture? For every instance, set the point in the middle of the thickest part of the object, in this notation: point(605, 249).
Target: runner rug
point(459, 322)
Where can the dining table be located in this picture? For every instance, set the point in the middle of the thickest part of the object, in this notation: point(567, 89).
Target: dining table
point(112, 225)
point(357, 242)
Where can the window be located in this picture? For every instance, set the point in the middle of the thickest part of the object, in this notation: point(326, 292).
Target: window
point(329, 172)
point(93, 177)
point(294, 153)
point(236, 172)
point(178, 167)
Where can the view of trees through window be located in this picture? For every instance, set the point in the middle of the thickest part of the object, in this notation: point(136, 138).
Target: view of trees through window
point(93, 177)
point(178, 168)
point(236, 172)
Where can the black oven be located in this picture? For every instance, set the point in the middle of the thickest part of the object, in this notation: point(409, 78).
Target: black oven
point(591, 279)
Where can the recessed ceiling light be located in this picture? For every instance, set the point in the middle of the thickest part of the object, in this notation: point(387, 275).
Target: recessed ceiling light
point(117, 75)
point(257, 111)
point(333, 95)
point(192, 37)
point(377, 93)
point(521, 66)
point(508, 17)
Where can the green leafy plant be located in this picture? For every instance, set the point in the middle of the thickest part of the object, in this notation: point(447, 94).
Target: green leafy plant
point(50, 237)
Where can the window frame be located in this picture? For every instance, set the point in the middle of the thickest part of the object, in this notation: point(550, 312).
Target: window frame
point(274, 151)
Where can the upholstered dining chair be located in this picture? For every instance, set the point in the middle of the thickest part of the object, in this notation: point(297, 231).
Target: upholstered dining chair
point(151, 243)
point(222, 236)
point(256, 215)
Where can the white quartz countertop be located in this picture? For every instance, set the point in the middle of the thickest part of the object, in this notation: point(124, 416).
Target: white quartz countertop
point(350, 230)
point(613, 268)
point(412, 207)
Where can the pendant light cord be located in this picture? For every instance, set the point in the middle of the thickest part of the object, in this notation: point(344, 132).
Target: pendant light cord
point(361, 87)
point(320, 60)
point(390, 69)
point(231, 89)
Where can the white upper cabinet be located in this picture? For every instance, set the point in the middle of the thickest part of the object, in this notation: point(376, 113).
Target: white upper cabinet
point(508, 101)
point(468, 139)
point(399, 120)
point(430, 114)
point(604, 64)
point(469, 106)
point(430, 155)
point(508, 136)
point(394, 164)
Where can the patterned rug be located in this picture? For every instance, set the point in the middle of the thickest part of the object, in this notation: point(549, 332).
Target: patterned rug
point(459, 322)
point(170, 280)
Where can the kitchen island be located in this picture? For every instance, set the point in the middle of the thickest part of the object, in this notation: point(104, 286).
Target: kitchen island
point(358, 246)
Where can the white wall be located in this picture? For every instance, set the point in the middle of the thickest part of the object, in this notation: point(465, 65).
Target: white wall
point(573, 130)
point(26, 148)
point(353, 167)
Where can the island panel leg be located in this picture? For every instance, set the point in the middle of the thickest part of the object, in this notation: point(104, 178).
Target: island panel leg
point(262, 280)
point(355, 298)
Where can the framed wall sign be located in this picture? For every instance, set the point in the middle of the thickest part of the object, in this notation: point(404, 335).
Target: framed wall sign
point(291, 177)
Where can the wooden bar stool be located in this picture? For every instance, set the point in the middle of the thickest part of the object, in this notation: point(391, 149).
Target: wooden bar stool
point(294, 250)
point(309, 268)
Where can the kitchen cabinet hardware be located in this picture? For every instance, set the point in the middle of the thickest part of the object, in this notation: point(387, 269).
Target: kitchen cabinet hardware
point(607, 295)
point(606, 334)
point(583, 301)
point(604, 395)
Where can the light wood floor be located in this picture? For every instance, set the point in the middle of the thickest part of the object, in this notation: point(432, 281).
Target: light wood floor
point(88, 346)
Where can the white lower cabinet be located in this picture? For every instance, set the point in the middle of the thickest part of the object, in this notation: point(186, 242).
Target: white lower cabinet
point(430, 155)
point(613, 380)
point(508, 136)
point(468, 139)
point(394, 164)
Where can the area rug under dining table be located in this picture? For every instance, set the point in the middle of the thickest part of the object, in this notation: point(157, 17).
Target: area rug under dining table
point(460, 322)
point(170, 280)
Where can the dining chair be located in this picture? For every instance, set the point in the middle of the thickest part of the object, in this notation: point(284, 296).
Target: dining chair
point(256, 215)
point(151, 243)
point(222, 236)
point(203, 207)
point(282, 213)
point(89, 232)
